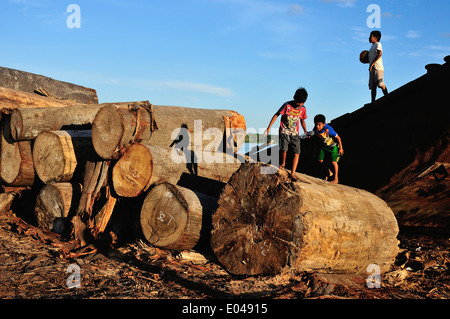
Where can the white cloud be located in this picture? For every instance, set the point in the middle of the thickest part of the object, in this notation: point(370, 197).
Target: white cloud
point(412, 34)
point(362, 35)
point(439, 47)
point(34, 3)
point(260, 12)
point(442, 49)
point(272, 55)
point(295, 9)
point(198, 87)
point(342, 3)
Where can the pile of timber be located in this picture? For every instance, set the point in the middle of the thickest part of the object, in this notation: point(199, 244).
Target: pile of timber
point(83, 159)
point(179, 169)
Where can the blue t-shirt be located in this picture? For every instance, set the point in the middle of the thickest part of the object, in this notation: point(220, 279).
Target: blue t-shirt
point(326, 136)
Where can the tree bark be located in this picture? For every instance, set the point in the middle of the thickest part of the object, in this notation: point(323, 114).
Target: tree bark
point(17, 167)
point(94, 179)
point(169, 164)
point(57, 154)
point(198, 129)
point(132, 173)
point(116, 126)
point(55, 205)
point(6, 199)
point(171, 216)
point(35, 83)
point(265, 222)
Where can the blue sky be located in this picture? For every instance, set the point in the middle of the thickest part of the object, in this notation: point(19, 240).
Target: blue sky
point(246, 55)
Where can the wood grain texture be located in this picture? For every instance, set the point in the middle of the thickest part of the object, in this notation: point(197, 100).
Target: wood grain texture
point(266, 222)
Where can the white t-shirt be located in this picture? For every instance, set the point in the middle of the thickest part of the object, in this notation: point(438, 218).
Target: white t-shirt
point(373, 54)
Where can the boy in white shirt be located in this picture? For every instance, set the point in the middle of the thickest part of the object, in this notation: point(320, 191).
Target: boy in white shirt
point(376, 68)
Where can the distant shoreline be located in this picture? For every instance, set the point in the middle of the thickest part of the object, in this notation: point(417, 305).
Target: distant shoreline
point(260, 138)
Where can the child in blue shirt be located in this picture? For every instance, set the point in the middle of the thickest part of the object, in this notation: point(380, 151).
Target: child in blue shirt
point(330, 144)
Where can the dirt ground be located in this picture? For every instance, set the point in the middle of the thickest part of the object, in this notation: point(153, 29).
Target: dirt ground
point(36, 264)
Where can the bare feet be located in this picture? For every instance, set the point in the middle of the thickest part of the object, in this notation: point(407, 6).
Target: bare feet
point(335, 181)
point(294, 178)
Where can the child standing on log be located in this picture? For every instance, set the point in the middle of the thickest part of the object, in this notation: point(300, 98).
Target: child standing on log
point(293, 113)
point(376, 69)
point(330, 145)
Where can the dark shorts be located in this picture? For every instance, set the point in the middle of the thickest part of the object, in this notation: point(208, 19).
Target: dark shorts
point(290, 140)
point(333, 153)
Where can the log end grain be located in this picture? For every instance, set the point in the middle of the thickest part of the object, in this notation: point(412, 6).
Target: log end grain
point(255, 223)
point(16, 124)
point(54, 156)
point(171, 217)
point(132, 173)
point(235, 129)
point(17, 167)
point(53, 205)
point(107, 131)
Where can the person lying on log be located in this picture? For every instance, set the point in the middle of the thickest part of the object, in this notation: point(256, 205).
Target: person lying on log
point(293, 113)
point(330, 145)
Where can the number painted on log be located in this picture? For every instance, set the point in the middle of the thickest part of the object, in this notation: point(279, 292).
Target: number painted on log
point(162, 217)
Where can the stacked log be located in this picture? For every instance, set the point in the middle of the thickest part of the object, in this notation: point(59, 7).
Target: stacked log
point(169, 164)
point(55, 154)
point(116, 126)
point(16, 159)
point(55, 205)
point(85, 158)
point(171, 216)
point(11, 99)
point(199, 128)
point(132, 173)
point(45, 86)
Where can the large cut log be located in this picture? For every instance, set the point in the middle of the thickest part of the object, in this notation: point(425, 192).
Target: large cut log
point(115, 126)
point(35, 83)
point(171, 216)
point(56, 154)
point(197, 129)
point(266, 222)
point(170, 164)
point(132, 173)
point(16, 162)
point(55, 205)
point(27, 123)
